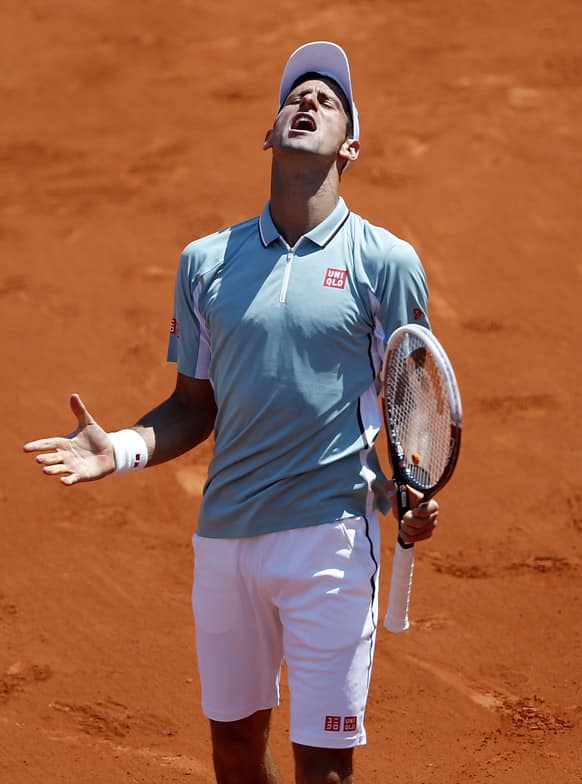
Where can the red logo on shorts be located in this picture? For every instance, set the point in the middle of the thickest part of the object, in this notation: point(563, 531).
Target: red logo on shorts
point(335, 278)
point(350, 723)
point(174, 328)
point(417, 313)
point(333, 723)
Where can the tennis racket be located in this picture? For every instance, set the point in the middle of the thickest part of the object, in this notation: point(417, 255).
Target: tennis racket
point(423, 415)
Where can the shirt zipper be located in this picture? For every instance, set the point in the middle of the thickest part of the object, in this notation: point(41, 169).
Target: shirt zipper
point(286, 275)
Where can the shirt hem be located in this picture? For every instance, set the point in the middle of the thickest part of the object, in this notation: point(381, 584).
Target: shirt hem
point(213, 531)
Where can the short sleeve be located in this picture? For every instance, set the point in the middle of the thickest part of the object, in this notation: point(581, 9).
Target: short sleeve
point(405, 296)
point(189, 341)
point(399, 297)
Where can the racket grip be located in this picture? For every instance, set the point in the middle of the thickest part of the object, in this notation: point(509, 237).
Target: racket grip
point(396, 618)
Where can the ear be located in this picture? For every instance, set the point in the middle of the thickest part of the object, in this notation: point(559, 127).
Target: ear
point(350, 150)
point(268, 139)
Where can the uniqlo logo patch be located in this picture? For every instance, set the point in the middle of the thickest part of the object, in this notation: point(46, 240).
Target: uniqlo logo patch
point(350, 723)
point(417, 313)
point(335, 278)
point(333, 723)
point(174, 328)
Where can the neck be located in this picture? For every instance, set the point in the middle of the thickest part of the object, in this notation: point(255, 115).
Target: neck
point(301, 200)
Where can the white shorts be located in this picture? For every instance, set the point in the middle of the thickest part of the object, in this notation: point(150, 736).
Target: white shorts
point(309, 595)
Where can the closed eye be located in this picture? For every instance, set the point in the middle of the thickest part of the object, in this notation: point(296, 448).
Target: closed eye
point(323, 98)
point(328, 100)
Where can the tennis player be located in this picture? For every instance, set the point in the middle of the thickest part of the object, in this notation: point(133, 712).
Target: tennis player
point(278, 332)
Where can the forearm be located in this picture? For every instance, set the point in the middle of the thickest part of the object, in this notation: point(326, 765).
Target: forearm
point(175, 427)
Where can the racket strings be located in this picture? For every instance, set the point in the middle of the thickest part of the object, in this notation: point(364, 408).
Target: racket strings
point(419, 412)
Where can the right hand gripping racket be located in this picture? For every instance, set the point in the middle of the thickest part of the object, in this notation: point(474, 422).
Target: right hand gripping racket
point(422, 414)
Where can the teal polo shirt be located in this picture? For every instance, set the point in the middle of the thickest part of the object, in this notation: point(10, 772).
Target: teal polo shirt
point(292, 340)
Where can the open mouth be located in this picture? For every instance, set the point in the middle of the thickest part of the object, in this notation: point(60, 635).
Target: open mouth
point(303, 122)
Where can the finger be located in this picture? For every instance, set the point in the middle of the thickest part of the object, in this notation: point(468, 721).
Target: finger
point(413, 524)
point(418, 522)
point(425, 509)
point(79, 409)
point(52, 458)
point(414, 497)
point(411, 535)
point(55, 470)
point(71, 479)
point(431, 506)
point(417, 519)
point(43, 443)
point(420, 537)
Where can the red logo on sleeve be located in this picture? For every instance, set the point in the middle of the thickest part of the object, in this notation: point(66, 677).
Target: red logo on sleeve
point(335, 278)
point(350, 723)
point(417, 313)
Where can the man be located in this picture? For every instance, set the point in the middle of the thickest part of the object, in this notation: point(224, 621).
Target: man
point(278, 333)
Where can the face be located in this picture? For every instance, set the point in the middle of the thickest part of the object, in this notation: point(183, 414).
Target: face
point(313, 119)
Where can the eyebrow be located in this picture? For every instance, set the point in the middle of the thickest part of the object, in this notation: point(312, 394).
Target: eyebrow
point(319, 90)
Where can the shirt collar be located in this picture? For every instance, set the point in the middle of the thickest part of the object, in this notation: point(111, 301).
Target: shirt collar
point(320, 234)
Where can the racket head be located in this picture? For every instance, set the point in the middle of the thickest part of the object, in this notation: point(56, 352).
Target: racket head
point(422, 409)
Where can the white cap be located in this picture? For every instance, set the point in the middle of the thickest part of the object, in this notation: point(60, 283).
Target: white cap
point(327, 59)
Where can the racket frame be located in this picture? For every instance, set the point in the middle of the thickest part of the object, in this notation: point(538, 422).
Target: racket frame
point(396, 453)
point(396, 619)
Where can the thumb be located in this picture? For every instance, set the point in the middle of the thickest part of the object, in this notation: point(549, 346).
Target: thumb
point(414, 497)
point(84, 418)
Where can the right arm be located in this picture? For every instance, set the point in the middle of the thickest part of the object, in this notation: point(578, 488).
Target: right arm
point(181, 422)
point(178, 424)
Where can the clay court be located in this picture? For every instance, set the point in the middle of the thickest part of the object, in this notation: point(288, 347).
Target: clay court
point(130, 128)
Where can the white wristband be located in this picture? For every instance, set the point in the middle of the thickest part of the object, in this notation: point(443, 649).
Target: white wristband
point(130, 450)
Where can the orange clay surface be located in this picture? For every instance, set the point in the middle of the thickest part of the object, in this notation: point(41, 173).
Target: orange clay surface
point(129, 128)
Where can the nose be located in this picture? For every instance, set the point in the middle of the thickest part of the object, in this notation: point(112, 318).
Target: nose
point(308, 101)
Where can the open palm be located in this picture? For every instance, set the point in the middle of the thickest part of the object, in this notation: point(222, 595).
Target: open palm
point(84, 455)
